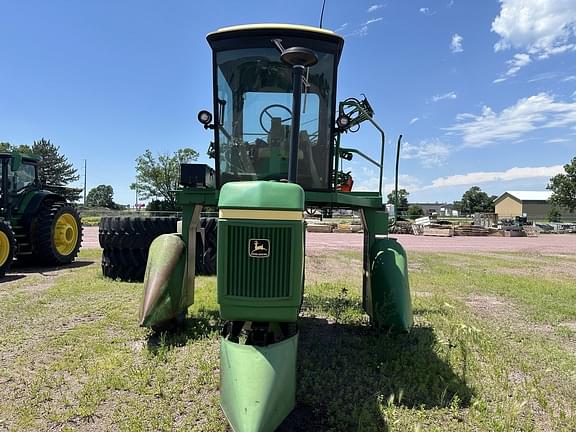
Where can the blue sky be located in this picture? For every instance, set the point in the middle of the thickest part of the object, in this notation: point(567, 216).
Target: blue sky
point(483, 91)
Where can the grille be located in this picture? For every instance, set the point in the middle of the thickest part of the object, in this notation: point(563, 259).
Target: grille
point(253, 277)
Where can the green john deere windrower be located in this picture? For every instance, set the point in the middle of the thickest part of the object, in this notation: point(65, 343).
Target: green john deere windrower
point(277, 150)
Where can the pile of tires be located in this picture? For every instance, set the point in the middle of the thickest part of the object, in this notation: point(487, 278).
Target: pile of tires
point(125, 242)
point(206, 246)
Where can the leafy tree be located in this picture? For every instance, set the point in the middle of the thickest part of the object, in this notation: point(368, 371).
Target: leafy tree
point(22, 148)
point(402, 199)
point(101, 196)
point(159, 205)
point(563, 187)
point(475, 201)
point(415, 211)
point(159, 177)
point(554, 215)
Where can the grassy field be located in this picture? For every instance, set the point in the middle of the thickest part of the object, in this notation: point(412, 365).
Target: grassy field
point(493, 349)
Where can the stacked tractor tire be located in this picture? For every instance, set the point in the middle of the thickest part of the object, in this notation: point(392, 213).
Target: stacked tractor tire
point(126, 240)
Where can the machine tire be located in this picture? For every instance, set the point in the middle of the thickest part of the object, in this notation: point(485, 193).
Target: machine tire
point(209, 252)
point(125, 242)
point(133, 232)
point(7, 247)
point(56, 234)
point(127, 265)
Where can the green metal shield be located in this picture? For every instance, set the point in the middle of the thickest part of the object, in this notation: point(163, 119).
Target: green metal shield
point(257, 384)
point(164, 293)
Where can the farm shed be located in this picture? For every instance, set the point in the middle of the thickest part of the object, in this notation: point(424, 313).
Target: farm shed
point(533, 204)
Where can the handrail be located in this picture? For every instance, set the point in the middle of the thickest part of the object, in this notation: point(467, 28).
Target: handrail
point(383, 141)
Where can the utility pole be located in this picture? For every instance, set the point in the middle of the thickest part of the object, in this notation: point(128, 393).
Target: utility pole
point(85, 162)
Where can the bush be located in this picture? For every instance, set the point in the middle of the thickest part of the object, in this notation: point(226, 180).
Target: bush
point(159, 205)
point(415, 211)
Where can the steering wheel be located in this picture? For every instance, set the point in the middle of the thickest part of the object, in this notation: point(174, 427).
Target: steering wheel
point(266, 111)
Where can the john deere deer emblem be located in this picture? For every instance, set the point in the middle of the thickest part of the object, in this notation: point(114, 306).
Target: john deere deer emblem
point(259, 248)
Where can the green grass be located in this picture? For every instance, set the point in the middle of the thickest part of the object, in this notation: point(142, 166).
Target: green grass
point(493, 349)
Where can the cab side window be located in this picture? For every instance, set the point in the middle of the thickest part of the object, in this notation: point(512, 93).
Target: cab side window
point(26, 176)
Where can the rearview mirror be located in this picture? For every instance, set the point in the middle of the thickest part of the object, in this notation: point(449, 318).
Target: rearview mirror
point(16, 162)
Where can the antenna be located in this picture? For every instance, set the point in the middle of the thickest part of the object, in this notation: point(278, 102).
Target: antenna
point(322, 13)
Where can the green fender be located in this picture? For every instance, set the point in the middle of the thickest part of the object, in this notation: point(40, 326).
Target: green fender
point(257, 384)
point(165, 296)
point(389, 303)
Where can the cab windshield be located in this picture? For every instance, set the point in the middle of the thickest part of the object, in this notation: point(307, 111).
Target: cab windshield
point(253, 115)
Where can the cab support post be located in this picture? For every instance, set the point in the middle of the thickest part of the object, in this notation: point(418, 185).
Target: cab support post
point(297, 72)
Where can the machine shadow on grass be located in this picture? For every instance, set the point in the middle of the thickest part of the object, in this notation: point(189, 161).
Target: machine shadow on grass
point(347, 374)
point(179, 332)
point(28, 268)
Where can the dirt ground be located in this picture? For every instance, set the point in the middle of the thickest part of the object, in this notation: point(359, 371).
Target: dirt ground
point(551, 243)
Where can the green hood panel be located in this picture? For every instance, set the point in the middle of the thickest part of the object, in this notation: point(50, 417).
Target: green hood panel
point(262, 195)
point(257, 384)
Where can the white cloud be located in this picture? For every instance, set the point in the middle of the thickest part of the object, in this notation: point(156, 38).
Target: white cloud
point(499, 80)
point(456, 44)
point(405, 181)
point(426, 11)
point(449, 95)
point(541, 111)
point(569, 78)
point(414, 120)
point(540, 28)
point(544, 76)
point(342, 27)
point(429, 153)
point(515, 173)
point(558, 140)
point(518, 62)
point(375, 7)
point(362, 30)
point(367, 181)
point(372, 21)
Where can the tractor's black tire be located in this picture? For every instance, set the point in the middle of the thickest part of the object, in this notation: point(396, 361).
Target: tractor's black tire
point(127, 265)
point(199, 255)
point(126, 241)
point(43, 226)
point(9, 241)
point(209, 252)
point(133, 232)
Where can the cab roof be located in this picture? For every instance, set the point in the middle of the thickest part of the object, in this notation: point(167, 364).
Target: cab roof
point(275, 27)
point(25, 156)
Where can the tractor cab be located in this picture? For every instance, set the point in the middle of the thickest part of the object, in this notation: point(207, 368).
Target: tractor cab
point(19, 174)
point(253, 94)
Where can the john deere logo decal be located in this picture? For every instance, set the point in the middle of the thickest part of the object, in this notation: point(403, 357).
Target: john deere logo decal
point(259, 248)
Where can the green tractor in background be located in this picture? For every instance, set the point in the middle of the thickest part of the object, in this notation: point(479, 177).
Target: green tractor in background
point(277, 150)
point(37, 226)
